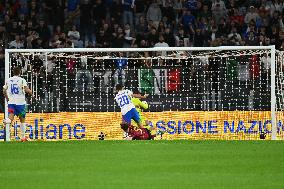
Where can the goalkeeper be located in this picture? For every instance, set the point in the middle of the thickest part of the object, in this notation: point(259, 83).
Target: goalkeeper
point(140, 106)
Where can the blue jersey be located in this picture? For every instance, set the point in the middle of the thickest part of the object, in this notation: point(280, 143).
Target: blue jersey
point(121, 63)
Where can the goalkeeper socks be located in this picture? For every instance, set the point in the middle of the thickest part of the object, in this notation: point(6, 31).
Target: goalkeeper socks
point(23, 130)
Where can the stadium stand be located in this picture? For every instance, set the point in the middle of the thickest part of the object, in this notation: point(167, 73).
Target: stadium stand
point(141, 23)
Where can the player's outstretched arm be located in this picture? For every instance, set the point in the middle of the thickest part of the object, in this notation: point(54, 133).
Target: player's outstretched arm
point(140, 96)
point(144, 105)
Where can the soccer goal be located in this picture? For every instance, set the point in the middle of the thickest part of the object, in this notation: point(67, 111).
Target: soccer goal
point(232, 92)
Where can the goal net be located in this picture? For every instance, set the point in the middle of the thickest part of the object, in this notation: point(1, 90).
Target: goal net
point(194, 93)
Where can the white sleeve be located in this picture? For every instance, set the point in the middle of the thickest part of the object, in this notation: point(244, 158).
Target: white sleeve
point(130, 93)
point(78, 35)
point(25, 83)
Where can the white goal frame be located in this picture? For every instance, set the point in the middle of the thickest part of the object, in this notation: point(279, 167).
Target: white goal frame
point(220, 48)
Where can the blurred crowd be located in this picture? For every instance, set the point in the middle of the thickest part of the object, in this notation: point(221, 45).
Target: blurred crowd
point(138, 23)
point(36, 24)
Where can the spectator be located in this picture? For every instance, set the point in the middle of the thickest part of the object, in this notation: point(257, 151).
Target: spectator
point(177, 9)
point(139, 11)
point(251, 28)
point(274, 6)
point(128, 6)
point(161, 43)
point(191, 5)
point(90, 45)
point(118, 38)
point(204, 13)
point(153, 37)
point(37, 65)
point(199, 38)
point(42, 25)
point(261, 40)
point(141, 27)
point(49, 66)
point(72, 5)
point(202, 23)
point(181, 39)
point(274, 34)
point(275, 18)
point(213, 35)
point(3, 35)
point(14, 30)
point(222, 26)
point(38, 43)
point(120, 73)
point(102, 40)
point(218, 10)
point(23, 9)
point(69, 44)
point(84, 78)
point(43, 32)
point(251, 15)
point(55, 42)
point(237, 17)
point(251, 39)
point(143, 44)
point(129, 38)
point(58, 31)
point(265, 64)
point(161, 27)
point(267, 41)
point(188, 21)
point(168, 10)
point(262, 31)
point(30, 26)
point(74, 36)
point(17, 43)
point(86, 21)
point(23, 30)
point(154, 14)
point(234, 37)
point(99, 13)
point(107, 30)
point(169, 37)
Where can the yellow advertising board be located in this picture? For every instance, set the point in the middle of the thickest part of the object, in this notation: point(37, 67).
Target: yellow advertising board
point(218, 125)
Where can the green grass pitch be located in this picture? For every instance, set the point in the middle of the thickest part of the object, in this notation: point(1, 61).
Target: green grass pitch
point(142, 164)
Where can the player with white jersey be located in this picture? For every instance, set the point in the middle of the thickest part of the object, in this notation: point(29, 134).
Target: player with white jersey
point(14, 91)
point(123, 99)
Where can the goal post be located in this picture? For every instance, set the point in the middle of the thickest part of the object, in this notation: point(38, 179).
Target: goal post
point(273, 95)
point(7, 70)
point(211, 100)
